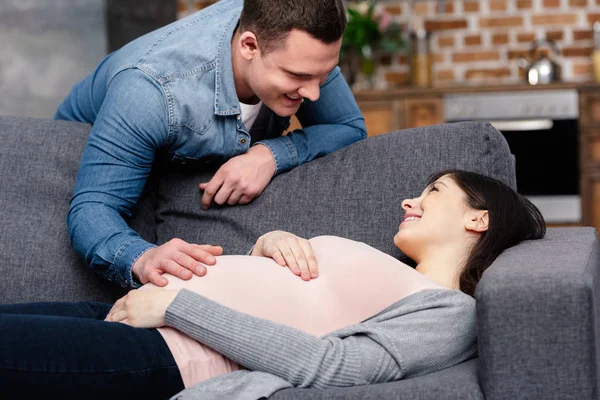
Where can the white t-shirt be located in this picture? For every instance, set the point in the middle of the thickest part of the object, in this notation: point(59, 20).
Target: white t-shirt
point(249, 113)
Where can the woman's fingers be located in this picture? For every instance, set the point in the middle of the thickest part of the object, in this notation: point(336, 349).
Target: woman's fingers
point(311, 260)
point(300, 259)
point(278, 257)
point(118, 316)
point(288, 256)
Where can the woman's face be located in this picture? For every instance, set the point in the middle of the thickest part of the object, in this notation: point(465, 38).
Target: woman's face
point(439, 217)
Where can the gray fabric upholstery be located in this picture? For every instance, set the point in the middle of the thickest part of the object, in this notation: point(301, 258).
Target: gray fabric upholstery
point(538, 311)
point(38, 163)
point(354, 192)
point(456, 383)
point(539, 319)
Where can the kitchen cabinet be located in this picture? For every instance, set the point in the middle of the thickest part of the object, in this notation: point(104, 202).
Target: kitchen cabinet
point(387, 111)
point(589, 134)
point(384, 113)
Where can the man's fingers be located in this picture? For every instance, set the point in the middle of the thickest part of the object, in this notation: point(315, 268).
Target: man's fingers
point(173, 268)
point(311, 260)
point(223, 193)
point(245, 199)
point(189, 264)
point(198, 253)
point(234, 197)
point(214, 250)
point(210, 190)
point(156, 278)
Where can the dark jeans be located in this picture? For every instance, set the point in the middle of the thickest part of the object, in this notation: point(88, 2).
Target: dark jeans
point(66, 350)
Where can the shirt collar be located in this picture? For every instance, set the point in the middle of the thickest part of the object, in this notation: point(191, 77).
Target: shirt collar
point(226, 98)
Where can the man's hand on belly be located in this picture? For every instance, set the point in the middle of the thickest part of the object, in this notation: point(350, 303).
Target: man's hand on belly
point(176, 257)
point(288, 250)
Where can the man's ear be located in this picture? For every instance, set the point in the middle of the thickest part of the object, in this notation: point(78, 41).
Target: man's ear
point(478, 221)
point(248, 45)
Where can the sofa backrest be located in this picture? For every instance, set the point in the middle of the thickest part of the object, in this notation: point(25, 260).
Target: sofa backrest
point(355, 193)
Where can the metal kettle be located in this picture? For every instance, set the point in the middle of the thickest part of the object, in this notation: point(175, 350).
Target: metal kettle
point(544, 69)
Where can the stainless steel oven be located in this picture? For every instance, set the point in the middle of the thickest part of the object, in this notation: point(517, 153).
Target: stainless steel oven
point(541, 129)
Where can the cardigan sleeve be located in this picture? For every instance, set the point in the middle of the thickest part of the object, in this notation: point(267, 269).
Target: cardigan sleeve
point(422, 333)
point(261, 345)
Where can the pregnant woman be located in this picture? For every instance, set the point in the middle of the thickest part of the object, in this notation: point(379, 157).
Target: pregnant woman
point(367, 317)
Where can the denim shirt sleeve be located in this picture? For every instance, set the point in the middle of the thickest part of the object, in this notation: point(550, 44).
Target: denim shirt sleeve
point(132, 124)
point(328, 124)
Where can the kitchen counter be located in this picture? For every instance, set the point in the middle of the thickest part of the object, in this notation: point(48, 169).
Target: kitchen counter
point(393, 93)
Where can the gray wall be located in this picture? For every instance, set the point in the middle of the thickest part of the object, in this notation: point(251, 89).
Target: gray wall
point(46, 46)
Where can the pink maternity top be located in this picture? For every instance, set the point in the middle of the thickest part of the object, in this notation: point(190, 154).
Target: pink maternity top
point(355, 282)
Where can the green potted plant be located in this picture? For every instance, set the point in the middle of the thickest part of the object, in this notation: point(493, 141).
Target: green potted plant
point(371, 31)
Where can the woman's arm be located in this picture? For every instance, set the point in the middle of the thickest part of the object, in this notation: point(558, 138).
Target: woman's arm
point(431, 330)
point(261, 345)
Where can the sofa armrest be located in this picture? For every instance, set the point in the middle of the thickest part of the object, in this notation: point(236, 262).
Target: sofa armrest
point(538, 312)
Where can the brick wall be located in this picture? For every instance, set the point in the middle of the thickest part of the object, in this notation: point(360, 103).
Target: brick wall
point(481, 41)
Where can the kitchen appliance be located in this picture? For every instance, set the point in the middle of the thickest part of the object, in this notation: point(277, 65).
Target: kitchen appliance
point(541, 129)
point(543, 69)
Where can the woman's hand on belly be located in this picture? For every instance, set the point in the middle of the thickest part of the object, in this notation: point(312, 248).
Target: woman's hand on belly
point(288, 250)
point(142, 308)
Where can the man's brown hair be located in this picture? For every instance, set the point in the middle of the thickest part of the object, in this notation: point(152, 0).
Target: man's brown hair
point(272, 20)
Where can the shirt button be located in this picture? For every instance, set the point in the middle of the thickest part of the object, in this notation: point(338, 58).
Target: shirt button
point(242, 141)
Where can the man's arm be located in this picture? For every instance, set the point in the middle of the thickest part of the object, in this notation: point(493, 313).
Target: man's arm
point(131, 126)
point(329, 124)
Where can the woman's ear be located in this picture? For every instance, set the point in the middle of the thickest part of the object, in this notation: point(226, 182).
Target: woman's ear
point(478, 221)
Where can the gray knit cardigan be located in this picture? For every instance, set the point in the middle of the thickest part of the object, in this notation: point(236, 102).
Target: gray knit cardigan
point(422, 333)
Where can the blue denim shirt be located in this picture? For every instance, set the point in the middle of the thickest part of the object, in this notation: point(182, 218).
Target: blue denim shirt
point(173, 90)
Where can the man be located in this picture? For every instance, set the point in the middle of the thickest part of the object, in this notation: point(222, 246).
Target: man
point(217, 86)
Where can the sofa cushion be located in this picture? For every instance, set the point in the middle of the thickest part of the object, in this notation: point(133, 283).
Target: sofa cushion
point(456, 383)
point(39, 161)
point(354, 192)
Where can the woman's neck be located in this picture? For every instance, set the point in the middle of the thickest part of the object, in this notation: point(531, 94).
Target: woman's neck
point(443, 266)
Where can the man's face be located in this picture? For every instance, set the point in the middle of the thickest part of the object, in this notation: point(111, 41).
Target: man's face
point(296, 70)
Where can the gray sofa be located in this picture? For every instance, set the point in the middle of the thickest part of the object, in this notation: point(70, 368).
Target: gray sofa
point(538, 305)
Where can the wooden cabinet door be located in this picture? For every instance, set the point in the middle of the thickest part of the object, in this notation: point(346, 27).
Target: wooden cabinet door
point(589, 136)
point(589, 108)
point(423, 112)
point(380, 117)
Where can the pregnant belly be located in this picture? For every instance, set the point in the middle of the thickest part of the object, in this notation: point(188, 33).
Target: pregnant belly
point(355, 282)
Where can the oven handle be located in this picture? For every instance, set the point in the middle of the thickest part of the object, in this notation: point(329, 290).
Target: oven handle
point(523, 125)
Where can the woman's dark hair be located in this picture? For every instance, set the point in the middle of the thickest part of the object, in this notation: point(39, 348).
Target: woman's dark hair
point(512, 218)
point(272, 20)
